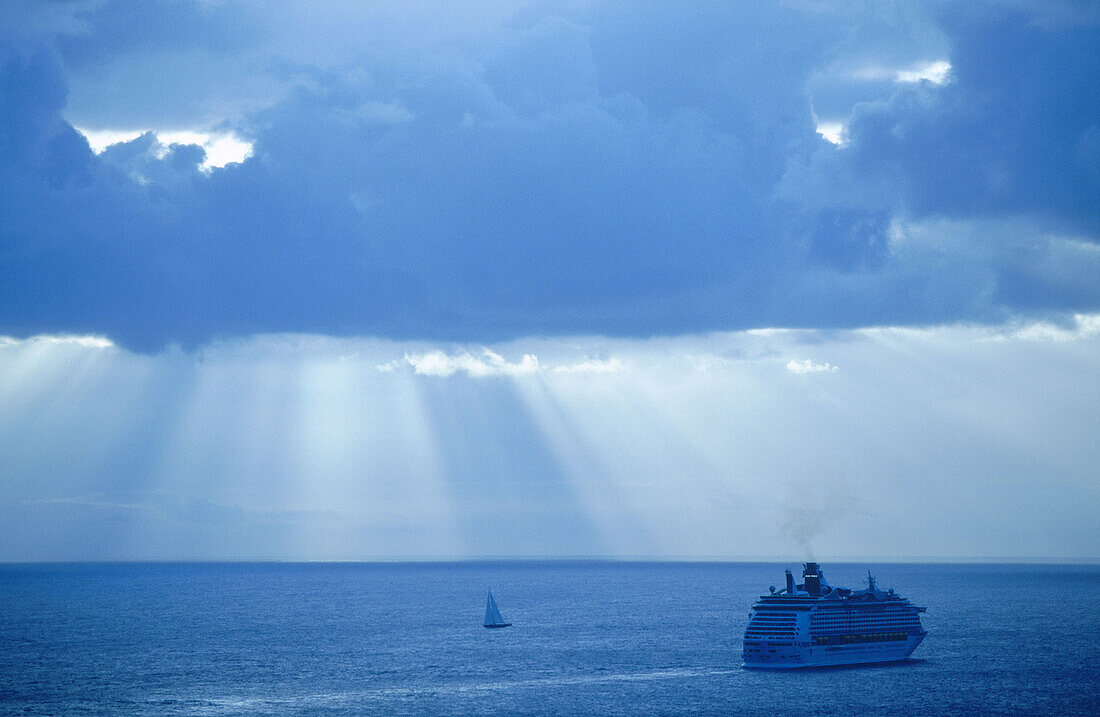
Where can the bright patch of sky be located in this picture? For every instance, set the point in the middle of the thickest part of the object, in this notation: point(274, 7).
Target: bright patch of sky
point(935, 72)
point(486, 362)
point(98, 342)
point(221, 148)
point(298, 446)
point(832, 131)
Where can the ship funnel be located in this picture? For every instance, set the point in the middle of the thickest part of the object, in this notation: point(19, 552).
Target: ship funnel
point(811, 576)
point(790, 582)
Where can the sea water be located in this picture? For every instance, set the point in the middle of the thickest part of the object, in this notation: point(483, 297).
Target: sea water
point(588, 637)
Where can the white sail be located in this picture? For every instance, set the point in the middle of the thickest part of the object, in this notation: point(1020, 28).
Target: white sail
point(492, 613)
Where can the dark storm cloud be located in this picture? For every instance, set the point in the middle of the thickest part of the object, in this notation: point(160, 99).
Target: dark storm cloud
point(1010, 133)
point(544, 169)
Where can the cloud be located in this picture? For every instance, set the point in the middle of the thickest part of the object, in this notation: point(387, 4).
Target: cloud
point(610, 365)
point(219, 149)
point(934, 72)
point(808, 366)
point(502, 171)
point(1082, 327)
point(100, 140)
point(994, 140)
point(490, 363)
point(98, 342)
point(832, 131)
point(384, 113)
point(438, 363)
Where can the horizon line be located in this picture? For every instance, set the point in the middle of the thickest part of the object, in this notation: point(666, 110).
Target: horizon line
point(382, 560)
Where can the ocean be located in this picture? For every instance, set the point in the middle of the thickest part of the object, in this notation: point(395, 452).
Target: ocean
point(588, 638)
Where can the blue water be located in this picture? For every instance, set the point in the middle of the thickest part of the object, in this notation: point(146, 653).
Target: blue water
point(589, 637)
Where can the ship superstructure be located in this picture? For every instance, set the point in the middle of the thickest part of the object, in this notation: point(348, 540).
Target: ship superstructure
point(814, 624)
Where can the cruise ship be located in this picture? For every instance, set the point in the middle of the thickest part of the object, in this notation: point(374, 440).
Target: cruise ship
point(814, 624)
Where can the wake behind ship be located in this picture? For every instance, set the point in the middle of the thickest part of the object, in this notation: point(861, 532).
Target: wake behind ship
point(814, 624)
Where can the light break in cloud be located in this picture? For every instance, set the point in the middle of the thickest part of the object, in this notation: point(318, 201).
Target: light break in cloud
point(299, 447)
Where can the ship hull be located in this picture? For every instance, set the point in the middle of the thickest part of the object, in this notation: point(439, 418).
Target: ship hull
point(788, 657)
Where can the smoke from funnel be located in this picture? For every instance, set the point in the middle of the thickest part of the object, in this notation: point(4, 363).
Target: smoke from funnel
point(809, 512)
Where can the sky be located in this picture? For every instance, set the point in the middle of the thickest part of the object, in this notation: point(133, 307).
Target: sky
point(344, 280)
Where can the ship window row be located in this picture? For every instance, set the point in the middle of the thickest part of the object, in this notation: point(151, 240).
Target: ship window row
point(842, 618)
point(770, 634)
point(867, 622)
point(842, 629)
point(861, 626)
point(853, 639)
point(855, 624)
point(865, 619)
point(864, 612)
point(863, 616)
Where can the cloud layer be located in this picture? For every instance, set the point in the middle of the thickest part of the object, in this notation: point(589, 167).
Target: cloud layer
point(441, 172)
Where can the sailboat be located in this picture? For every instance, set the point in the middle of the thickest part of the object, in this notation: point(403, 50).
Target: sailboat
point(492, 613)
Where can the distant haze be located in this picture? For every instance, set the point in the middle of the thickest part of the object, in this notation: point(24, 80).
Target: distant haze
point(948, 442)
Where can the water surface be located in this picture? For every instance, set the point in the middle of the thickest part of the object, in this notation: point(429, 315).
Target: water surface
point(588, 637)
